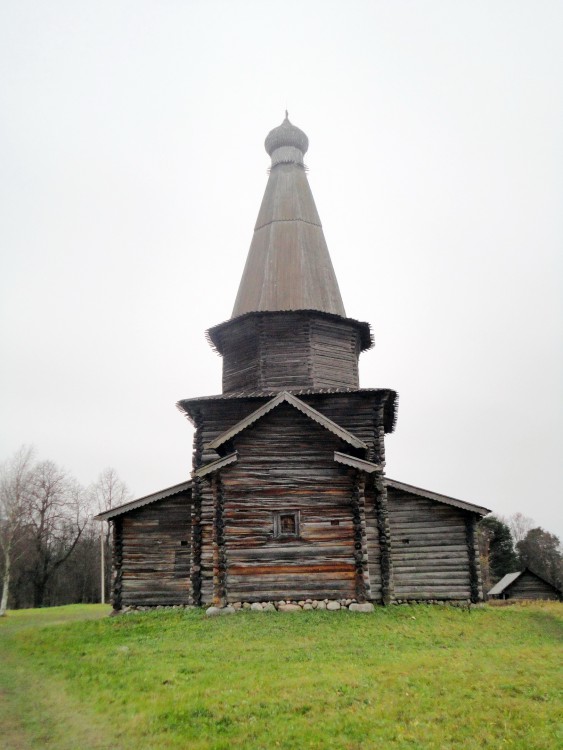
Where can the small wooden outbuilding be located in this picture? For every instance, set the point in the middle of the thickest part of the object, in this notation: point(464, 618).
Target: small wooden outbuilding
point(525, 584)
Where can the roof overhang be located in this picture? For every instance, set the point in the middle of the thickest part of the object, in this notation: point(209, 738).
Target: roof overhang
point(461, 504)
point(216, 335)
point(215, 465)
point(120, 510)
point(389, 399)
point(357, 463)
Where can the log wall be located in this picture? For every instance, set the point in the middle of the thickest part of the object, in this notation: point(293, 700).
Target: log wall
point(360, 413)
point(530, 586)
point(156, 553)
point(290, 350)
point(286, 463)
point(430, 554)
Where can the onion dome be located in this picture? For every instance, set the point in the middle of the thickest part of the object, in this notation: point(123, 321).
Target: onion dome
point(286, 144)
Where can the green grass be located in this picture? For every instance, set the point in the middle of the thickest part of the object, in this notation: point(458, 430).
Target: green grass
point(403, 677)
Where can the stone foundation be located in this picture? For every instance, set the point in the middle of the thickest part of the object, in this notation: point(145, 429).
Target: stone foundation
point(332, 605)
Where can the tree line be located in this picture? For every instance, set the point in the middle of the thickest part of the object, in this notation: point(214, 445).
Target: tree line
point(51, 548)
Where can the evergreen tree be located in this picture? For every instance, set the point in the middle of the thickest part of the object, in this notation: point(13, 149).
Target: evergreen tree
point(497, 549)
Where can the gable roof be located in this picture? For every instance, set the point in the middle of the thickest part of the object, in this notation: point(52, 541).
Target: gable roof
point(119, 510)
point(505, 581)
point(510, 578)
point(308, 411)
point(411, 489)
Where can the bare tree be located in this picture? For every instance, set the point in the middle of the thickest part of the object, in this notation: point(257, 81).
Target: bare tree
point(58, 516)
point(519, 526)
point(16, 477)
point(108, 492)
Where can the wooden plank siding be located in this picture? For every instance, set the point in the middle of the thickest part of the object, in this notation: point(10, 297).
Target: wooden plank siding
point(430, 552)
point(156, 553)
point(286, 463)
point(531, 586)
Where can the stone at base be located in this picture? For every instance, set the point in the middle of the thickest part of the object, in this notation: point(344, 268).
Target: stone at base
point(364, 607)
point(289, 608)
point(333, 606)
point(216, 611)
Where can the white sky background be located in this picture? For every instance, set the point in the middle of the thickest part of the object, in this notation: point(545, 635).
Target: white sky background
point(132, 169)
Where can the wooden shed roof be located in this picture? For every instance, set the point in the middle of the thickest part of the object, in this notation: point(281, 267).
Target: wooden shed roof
point(504, 582)
point(288, 265)
point(411, 489)
point(119, 510)
point(510, 578)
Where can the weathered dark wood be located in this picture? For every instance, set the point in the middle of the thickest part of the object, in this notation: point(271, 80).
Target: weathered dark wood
point(117, 563)
point(156, 553)
point(219, 549)
point(434, 554)
point(531, 586)
point(195, 571)
point(360, 547)
point(285, 350)
point(321, 562)
point(384, 533)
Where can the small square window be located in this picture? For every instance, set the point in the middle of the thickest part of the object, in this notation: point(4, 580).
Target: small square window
point(286, 524)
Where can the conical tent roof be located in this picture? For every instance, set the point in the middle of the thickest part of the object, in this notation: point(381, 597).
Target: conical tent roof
point(288, 265)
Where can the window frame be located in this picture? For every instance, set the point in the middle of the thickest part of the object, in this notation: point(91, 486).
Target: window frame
point(278, 533)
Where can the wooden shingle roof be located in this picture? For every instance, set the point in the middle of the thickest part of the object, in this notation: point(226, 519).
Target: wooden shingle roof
point(288, 265)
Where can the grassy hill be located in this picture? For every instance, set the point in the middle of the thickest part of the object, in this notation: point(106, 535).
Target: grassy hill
point(402, 677)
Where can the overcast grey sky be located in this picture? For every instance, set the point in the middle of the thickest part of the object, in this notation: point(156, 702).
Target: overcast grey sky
point(132, 169)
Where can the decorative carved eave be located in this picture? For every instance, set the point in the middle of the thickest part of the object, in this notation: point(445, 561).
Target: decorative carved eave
point(461, 504)
point(190, 406)
point(308, 411)
point(357, 463)
point(215, 465)
point(120, 510)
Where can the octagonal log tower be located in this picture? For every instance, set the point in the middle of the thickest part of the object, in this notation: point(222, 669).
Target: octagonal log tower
point(289, 328)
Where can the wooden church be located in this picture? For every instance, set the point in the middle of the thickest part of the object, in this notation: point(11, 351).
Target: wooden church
point(288, 499)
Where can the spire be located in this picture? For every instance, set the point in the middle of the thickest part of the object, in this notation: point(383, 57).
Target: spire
point(288, 265)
